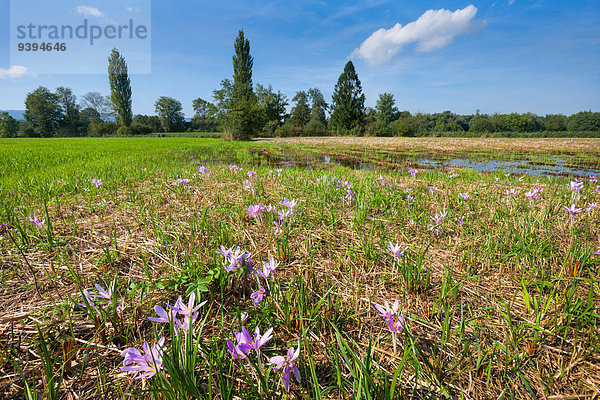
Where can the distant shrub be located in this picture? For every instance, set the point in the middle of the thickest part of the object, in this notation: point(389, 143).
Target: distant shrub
point(481, 124)
point(140, 129)
point(315, 128)
point(124, 131)
point(102, 129)
point(285, 130)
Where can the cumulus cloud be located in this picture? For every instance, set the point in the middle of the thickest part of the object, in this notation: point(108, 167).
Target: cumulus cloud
point(433, 30)
point(14, 72)
point(88, 11)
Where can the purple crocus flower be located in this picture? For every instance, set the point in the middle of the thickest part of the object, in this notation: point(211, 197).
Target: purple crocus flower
point(254, 342)
point(189, 311)
point(573, 210)
point(180, 182)
point(593, 179)
point(250, 174)
point(596, 253)
point(203, 170)
point(35, 221)
point(255, 211)
point(288, 364)
point(461, 220)
point(396, 250)
point(575, 186)
point(591, 206)
point(164, 316)
point(277, 230)
point(438, 218)
point(233, 168)
point(148, 363)
point(413, 171)
point(288, 203)
point(432, 188)
point(97, 182)
point(268, 268)
point(395, 323)
point(385, 310)
point(463, 196)
point(510, 192)
point(105, 294)
point(531, 194)
point(258, 296)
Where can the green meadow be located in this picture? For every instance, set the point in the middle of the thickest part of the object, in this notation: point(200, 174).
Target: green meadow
point(312, 241)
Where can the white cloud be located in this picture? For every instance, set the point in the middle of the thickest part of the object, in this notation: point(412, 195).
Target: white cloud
point(131, 9)
point(14, 72)
point(88, 11)
point(433, 30)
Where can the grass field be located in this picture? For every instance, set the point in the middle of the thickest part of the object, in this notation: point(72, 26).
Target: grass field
point(497, 276)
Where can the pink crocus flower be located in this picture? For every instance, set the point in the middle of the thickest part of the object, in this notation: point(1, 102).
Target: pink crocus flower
point(97, 182)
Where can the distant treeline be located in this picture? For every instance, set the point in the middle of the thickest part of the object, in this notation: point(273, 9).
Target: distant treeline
point(58, 114)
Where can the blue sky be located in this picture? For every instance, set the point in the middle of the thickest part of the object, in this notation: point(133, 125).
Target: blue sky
point(495, 56)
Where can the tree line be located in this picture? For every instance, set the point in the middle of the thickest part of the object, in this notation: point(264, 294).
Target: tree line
point(241, 110)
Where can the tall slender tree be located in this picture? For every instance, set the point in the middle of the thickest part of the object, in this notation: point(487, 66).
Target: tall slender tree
point(120, 88)
point(245, 117)
point(242, 69)
point(348, 100)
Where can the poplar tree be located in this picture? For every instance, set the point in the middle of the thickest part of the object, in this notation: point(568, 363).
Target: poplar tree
point(348, 100)
point(245, 117)
point(120, 88)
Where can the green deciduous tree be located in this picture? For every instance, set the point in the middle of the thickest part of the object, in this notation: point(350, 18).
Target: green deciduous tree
point(71, 122)
point(348, 100)
point(8, 125)
point(584, 121)
point(43, 111)
point(205, 115)
point(170, 113)
point(120, 88)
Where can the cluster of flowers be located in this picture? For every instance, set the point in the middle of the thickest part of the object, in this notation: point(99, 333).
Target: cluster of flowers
point(148, 363)
point(180, 182)
point(97, 182)
point(245, 343)
point(257, 210)
point(235, 259)
point(341, 184)
point(576, 186)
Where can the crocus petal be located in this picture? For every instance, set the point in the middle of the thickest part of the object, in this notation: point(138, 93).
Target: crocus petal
point(278, 361)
